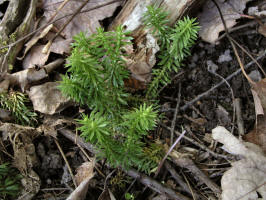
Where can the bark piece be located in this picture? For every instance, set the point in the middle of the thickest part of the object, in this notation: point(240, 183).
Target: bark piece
point(17, 21)
point(142, 59)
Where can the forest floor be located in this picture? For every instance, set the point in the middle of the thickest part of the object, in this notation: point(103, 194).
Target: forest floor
point(48, 149)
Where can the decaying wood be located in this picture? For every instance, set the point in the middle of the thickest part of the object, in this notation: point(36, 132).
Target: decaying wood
point(142, 57)
point(17, 22)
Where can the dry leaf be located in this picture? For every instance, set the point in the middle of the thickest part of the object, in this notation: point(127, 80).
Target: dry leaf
point(48, 99)
point(83, 176)
point(258, 134)
point(35, 39)
point(262, 29)
point(86, 21)
point(25, 157)
point(107, 195)
point(210, 20)
point(246, 179)
point(35, 57)
point(51, 124)
point(85, 171)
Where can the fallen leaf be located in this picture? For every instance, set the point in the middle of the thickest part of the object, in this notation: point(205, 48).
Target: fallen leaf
point(25, 158)
point(51, 124)
point(85, 21)
point(210, 20)
point(246, 179)
point(262, 29)
point(258, 134)
point(35, 57)
point(85, 171)
point(83, 176)
point(35, 39)
point(48, 99)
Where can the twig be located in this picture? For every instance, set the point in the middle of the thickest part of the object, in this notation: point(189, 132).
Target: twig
point(192, 192)
point(71, 136)
point(187, 105)
point(252, 23)
point(58, 9)
point(167, 154)
point(175, 114)
point(189, 164)
point(88, 157)
point(178, 178)
point(65, 159)
point(151, 183)
point(233, 45)
point(154, 185)
point(232, 93)
point(197, 144)
point(240, 123)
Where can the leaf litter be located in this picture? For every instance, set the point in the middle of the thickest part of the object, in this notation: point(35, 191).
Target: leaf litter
point(244, 180)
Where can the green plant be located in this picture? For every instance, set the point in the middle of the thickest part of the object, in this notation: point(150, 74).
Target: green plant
point(15, 103)
point(174, 45)
point(96, 78)
point(9, 181)
point(129, 196)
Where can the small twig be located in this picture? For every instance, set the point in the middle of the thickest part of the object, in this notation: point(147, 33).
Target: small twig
point(197, 144)
point(167, 154)
point(233, 45)
point(175, 114)
point(131, 185)
point(189, 164)
point(187, 105)
point(240, 122)
point(154, 185)
point(190, 188)
point(232, 93)
point(251, 191)
point(58, 9)
point(251, 57)
point(178, 178)
point(65, 159)
point(89, 158)
point(252, 23)
point(151, 183)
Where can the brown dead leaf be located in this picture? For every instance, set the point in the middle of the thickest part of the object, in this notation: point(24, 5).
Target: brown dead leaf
point(262, 29)
point(86, 21)
point(25, 158)
point(85, 171)
point(210, 20)
point(35, 57)
point(51, 124)
point(35, 39)
point(83, 176)
point(246, 179)
point(258, 134)
point(48, 99)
